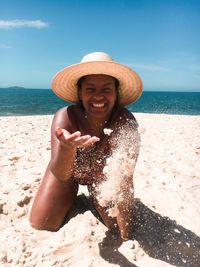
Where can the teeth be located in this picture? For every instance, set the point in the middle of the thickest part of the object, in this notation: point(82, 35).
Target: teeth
point(98, 105)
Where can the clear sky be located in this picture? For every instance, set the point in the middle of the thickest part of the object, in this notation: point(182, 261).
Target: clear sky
point(159, 39)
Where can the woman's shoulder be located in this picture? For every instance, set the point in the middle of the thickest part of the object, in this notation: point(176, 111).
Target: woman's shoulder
point(123, 116)
point(66, 117)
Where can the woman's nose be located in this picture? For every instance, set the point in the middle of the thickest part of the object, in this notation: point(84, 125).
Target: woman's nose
point(98, 96)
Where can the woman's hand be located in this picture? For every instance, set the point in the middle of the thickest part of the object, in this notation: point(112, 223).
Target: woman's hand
point(62, 161)
point(74, 140)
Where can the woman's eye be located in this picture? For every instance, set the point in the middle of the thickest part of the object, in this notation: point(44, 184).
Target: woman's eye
point(106, 90)
point(89, 90)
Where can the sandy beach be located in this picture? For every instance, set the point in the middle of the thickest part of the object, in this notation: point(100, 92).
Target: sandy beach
point(167, 196)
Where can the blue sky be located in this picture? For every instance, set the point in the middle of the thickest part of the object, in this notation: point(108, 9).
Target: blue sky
point(159, 39)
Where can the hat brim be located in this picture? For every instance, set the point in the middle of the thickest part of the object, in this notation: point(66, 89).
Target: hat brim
point(64, 84)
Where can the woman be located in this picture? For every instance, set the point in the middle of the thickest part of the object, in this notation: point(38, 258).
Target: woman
point(100, 88)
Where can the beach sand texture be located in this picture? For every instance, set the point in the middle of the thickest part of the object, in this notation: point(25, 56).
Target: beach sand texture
point(167, 192)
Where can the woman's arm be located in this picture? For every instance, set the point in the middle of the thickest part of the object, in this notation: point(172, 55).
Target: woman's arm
point(65, 144)
point(125, 149)
point(127, 214)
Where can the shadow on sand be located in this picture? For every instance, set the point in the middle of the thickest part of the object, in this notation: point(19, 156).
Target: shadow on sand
point(160, 237)
point(163, 239)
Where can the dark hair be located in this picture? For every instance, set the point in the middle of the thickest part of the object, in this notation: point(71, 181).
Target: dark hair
point(79, 83)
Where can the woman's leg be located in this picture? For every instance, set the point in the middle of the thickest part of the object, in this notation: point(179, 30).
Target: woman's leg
point(52, 202)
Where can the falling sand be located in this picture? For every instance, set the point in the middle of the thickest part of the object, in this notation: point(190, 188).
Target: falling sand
point(119, 166)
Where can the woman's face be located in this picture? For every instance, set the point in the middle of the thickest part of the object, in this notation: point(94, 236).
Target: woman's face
point(98, 95)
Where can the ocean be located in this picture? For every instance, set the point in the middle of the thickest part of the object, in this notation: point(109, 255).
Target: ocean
point(24, 102)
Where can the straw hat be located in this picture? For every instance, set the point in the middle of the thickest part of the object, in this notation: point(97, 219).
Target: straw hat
point(64, 84)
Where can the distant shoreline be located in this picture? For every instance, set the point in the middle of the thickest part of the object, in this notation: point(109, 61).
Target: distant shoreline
point(144, 91)
point(20, 87)
point(13, 87)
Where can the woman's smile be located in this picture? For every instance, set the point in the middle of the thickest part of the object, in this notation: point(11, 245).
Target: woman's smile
point(98, 95)
point(98, 105)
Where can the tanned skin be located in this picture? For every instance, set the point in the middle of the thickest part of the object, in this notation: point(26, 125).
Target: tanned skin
point(72, 128)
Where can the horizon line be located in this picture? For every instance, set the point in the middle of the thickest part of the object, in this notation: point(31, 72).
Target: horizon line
point(145, 90)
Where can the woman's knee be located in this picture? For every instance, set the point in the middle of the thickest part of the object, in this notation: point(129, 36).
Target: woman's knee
point(44, 224)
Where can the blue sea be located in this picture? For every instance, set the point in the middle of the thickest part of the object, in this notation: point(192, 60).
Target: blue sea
point(23, 102)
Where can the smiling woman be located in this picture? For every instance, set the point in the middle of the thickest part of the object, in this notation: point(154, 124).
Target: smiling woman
point(81, 149)
point(98, 95)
